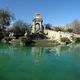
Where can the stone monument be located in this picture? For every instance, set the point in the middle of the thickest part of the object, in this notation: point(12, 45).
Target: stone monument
point(37, 24)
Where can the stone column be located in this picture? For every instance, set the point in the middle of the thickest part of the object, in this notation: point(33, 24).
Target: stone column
point(33, 27)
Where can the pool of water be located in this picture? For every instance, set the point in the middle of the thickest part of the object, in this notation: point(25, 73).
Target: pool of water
point(39, 63)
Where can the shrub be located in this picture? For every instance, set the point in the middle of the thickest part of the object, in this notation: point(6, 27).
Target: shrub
point(66, 40)
point(25, 41)
point(1, 34)
point(6, 34)
point(77, 39)
point(7, 39)
point(22, 39)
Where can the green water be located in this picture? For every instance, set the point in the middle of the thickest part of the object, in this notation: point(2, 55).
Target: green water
point(39, 63)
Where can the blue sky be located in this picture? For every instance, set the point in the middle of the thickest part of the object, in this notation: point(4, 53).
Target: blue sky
point(56, 12)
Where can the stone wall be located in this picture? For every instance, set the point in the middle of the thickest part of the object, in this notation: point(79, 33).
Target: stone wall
point(54, 35)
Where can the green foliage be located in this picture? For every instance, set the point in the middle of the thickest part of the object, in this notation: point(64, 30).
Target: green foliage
point(5, 18)
point(1, 34)
point(66, 40)
point(6, 34)
point(22, 39)
point(25, 41)
point(38, 36)
point(76, 39)
point(7, 39)
point(19, 28)
point(69, 30)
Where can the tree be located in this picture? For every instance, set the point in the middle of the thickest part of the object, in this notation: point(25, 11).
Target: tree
point(75, 25)
point(19, 28)
point(5, 18)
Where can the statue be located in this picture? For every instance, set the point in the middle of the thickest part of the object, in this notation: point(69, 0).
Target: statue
point(11, 34)
point(25, 35)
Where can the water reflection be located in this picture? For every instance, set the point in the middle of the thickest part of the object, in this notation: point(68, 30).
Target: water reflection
point(72, 49)
point(13, 50)
point(37, 53)
point(58, 62)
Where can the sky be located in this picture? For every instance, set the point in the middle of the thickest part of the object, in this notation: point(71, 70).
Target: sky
point(55, 12)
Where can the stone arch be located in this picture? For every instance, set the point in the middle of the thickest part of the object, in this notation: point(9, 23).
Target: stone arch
point(37, 26)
